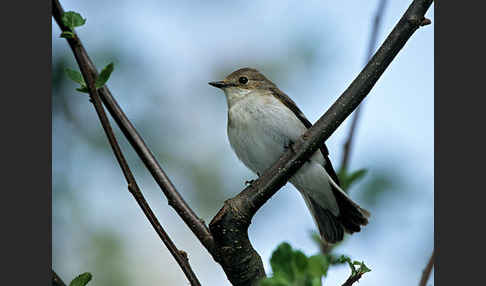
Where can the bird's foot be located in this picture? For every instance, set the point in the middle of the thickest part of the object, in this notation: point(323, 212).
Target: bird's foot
point(249, 182)
point(290, 146)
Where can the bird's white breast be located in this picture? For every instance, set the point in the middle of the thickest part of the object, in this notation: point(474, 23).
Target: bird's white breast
point(259, 128)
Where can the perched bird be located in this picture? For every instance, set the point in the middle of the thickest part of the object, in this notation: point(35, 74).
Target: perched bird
point(262, 123)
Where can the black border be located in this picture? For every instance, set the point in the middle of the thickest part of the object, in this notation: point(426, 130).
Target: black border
point(459, 143)
point(26, 143)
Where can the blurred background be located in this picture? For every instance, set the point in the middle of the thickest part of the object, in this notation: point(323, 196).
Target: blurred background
point(165, 52)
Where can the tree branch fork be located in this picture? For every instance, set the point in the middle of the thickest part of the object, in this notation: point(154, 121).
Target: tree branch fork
point(227, 239)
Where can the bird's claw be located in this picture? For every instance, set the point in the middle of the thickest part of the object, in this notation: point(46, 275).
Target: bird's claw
point(290, 146)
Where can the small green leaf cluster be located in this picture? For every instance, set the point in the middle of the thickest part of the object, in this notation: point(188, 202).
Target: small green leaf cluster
point(81, 279)
point(100, 80)
point(347, 179)
point(293, 267)
point(71, 20)
point(362, 268)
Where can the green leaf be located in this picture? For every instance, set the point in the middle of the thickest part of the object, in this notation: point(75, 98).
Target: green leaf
point(357, 175)
point(81, 280)
point(293, 268)
point(281, 261)
point(67, 35)
point(75, 76)
point(104, 75)
point(72, 19)
point(346, 259)
point(343, 259)
point(347, 179)
point(318, 265)
point(275, 281)
point(316, 281)
point(83, 89)
point(300, 261)
point(363, 268)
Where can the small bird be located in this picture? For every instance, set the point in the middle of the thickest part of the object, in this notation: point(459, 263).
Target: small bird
point(263, 122)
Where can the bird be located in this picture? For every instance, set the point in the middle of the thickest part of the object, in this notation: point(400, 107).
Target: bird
point(263, 122)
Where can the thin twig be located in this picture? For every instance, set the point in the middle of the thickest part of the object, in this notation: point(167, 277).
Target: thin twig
point(89, 78)
point(56, 280)
point(427, 270)
point(352, 279)
point(175, 200)
point(371, 48)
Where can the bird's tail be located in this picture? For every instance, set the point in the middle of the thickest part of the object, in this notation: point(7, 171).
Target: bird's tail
point(331, 227)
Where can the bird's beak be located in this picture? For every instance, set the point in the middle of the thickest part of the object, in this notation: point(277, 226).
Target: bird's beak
point(219, 84)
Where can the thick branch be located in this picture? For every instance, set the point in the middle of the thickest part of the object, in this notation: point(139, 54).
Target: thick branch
point(89, 78)
point(56, 280)
point(371, 47)
point(427, 270)
point(236, 215)
point(196, 225)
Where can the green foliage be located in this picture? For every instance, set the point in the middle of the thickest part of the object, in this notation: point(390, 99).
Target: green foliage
point(75, 76)
point(81, 279)
point(362, 269)
point(103, 77)
point(72, 19)
point(83, 89)
point(293, 268)
point(347, 179)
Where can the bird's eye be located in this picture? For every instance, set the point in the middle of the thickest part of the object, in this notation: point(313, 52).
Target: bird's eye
point(243, 80)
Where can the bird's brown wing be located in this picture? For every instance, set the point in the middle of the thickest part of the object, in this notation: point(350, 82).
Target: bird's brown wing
point(287, 101)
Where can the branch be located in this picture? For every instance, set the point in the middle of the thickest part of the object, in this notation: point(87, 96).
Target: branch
point(371, 47)
point(427, 270)
point(175, 200)
point(353, 278)
point(89, 78)
point(230, 225)
point(56, 280)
